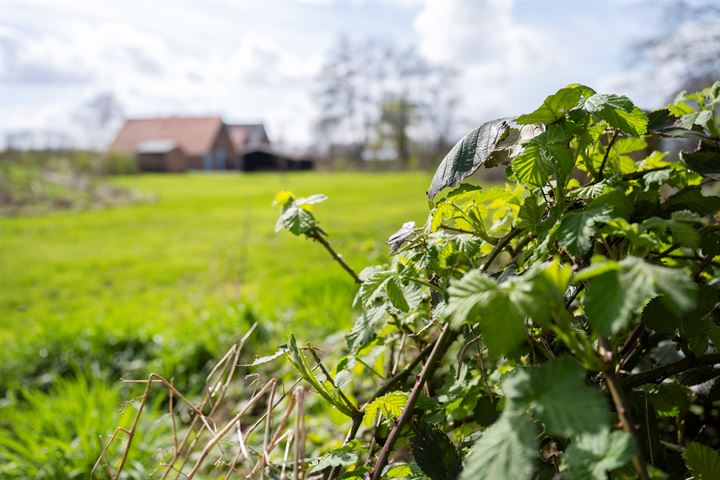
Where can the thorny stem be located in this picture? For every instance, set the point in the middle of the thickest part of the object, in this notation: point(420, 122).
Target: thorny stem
point(623, 410)
point(317, 236)
point(441, 346)
point(607, 154)
point(660, 373)
point(502, 243)
point(331, 380)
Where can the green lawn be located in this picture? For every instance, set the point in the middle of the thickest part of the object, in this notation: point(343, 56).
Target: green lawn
point(166, 284)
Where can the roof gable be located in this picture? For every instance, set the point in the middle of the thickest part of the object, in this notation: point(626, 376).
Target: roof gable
point(246, 135)
point(194, 135)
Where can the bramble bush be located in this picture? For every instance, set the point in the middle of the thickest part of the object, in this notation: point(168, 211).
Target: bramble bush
point(564, 325)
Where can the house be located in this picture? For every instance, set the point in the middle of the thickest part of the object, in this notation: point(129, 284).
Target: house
point(204, 141)
point(176, 144)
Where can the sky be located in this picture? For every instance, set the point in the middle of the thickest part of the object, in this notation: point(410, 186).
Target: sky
point(259, 60)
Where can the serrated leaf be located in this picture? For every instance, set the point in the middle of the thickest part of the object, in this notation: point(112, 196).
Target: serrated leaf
point(545, 156)
point(613, 296)
point(592, 456)
point(691, 118)
point(692, 199)
point(683, 229)
point(387, 406)
point(399, 237)
point(339, 457)
point(478, 298)
point(311, 200)
point(469, 154)
point(396, 295)
point(506, 450)
point(577, 229)
point(702, 461)
point(530, 214)
point(296, 220)
point(670, 399)
point(435, 454)
point(545, 390)
point(402, 470)
point(363, 332)
point(619, 112)
point(705, 161)
point(556, 105)
point(373, 288)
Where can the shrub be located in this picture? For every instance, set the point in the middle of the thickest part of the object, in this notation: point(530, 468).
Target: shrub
point(564, 324)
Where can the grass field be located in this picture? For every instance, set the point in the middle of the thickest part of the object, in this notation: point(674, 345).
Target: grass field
point(184, 267)
point(166, 285)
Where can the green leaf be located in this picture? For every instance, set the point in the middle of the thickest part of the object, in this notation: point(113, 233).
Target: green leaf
point(556, 105)
point(339, 457)
point(614, 295)
point(469, 154)
point(435, 453)
point(506, 450)
point(692, 199)
point(592, 456)
point(705, 161)
point(670, 399)
point(396, 295)
point(544, 156)
point(477, 297)
point(682, 225)
point(296, 220)
point(577, 229)
point(530, 214)
point(401, 470)
point(619, 112)
point(601, 101)
point(656, 316)
point(467, 294)
point(387, 406)
point(301, 364)
point(702, 461)
point(399, 237)
point(373, 287)
point(545, 390)
point(363, 332)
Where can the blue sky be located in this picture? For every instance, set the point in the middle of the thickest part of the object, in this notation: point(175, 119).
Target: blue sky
point(251, 61)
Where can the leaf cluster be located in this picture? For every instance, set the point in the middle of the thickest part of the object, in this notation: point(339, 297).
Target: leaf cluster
point(563, 325)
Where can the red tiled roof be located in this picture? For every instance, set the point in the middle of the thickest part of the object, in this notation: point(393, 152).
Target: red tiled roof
point(194, 135)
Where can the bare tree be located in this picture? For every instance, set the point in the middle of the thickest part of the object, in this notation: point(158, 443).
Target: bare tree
point(99, 117)
point(686, 53)
point(372, 94)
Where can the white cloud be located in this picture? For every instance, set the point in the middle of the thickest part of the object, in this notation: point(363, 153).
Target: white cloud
point(251, 76)
point(490, 49)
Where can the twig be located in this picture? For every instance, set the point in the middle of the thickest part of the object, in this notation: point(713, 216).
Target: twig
point(623, 411)
point(642, 173)
point(317, 236)
point(458, 230)
point(499, 248)
point(299, 463)
point(430, 365)
point(657, 374)
point(331, 380)
point(218, 436)
point(607, 154)
point(393, 381)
